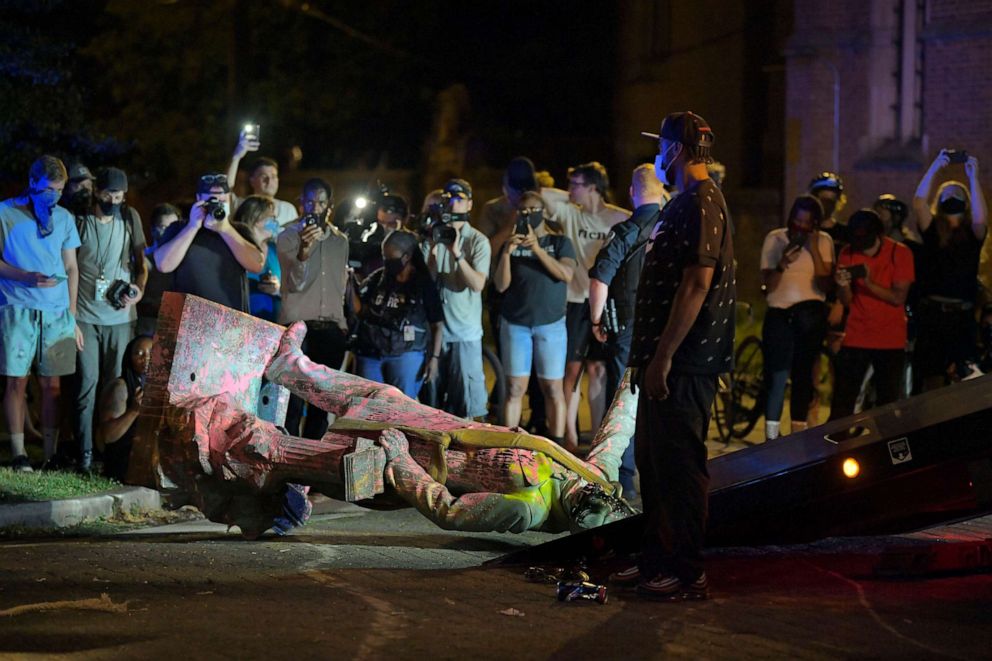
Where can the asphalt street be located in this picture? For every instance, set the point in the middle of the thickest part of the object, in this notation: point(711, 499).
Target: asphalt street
point(388, 584)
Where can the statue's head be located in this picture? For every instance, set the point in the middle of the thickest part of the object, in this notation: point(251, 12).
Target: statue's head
point(594, 507)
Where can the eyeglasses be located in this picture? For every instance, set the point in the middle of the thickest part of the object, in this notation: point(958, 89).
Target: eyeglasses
point(211, 179)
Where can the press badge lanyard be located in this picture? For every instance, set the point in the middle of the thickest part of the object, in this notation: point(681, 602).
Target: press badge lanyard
point(102, 284)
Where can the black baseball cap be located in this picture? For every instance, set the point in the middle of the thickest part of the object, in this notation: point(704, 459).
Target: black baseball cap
point(458, 187)
point(78, 172)
point(111, 179)
point(686, 127)
point(394, 204)
point(520, 174)
point(863, 228)
point(210, 181)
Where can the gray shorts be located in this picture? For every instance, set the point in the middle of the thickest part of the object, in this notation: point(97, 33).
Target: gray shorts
point(462, 381)
point(37, 338)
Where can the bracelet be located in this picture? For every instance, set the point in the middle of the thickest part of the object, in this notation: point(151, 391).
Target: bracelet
point(436, 355)
point(597, 323)
point(458, 258)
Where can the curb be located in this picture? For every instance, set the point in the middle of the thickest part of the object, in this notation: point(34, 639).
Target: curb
point(72, 511)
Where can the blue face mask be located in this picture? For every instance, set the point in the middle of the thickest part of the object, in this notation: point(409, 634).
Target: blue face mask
point(272, 227)
point(661, 168)
point(44, 202)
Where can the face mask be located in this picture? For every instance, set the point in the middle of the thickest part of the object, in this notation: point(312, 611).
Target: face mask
point(46, 199)
point(952, 206)
point(535, 218)
point(272, 227)
point(393, 266)
point(158, 233)
point(81, 199)
point(109, 208)
point(661, 168)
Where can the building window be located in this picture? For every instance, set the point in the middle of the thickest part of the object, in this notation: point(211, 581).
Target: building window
point(896, 73)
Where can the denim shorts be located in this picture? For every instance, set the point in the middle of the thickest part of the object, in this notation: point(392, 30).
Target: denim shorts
point(544, 345)
point(37, 338)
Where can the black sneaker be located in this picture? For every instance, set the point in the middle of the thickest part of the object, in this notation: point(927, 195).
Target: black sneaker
point(21, 464)
point(697, 590)
point(663, 587)
point(626, 578)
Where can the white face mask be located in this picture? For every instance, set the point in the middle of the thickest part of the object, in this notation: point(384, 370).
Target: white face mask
point(661, 168)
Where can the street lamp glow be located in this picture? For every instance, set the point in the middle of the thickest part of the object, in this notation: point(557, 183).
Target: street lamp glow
point(361, 202)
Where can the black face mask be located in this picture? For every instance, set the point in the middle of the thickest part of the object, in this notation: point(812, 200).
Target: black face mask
point(393, 266)
point(108, 208)
point(80, 200)
point(535, 218)
point(952, 206)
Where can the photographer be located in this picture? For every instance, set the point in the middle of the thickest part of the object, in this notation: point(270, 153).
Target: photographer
point(366, 239)
point(112, 278)
point(313, 255)
point(208, 256)
point(952, 225)
point(458, 259)
point(613, 288)
point(400, 318)
point(873, 277)
point(533, 272)
point(796, 268)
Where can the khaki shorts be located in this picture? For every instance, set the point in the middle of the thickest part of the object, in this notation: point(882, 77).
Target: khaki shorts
point(37, 338)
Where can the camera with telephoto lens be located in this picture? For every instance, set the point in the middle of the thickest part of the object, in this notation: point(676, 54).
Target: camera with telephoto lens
point(439, 219)
point(118, 291)
point(215, 209)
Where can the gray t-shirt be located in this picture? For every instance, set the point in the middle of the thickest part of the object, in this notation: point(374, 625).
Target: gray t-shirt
point(105, 255)
point(462, 305)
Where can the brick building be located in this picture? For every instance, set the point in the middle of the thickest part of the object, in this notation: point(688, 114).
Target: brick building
point(912, 76)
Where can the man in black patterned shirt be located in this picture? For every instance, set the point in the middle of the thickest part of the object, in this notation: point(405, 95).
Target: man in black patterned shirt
point(683, 338)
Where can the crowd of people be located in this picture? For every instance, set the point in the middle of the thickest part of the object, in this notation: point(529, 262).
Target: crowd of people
point(893, 285)
point(892, 295)
point(573, 285)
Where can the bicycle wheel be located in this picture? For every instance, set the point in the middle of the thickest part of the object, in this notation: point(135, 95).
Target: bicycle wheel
point(747, 393)
point(495, 383)
point(723, 407)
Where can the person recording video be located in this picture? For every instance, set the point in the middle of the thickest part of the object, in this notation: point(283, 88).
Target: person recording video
point(313, 257)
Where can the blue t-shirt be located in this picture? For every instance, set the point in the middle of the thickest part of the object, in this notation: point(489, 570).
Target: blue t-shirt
point(262, 305)
point(23, 247)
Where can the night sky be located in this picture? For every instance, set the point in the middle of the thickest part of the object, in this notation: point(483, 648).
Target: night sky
point(161, 87)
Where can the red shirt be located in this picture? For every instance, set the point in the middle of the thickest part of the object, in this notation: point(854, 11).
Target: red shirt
point(873, 323)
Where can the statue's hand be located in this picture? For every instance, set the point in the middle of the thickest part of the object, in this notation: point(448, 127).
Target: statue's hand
point(394, 442)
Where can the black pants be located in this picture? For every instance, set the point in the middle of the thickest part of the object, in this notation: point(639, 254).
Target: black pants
point(849, 374)
point(943, 337)
point(671, 458)
point(324, 345)
point(791, 340)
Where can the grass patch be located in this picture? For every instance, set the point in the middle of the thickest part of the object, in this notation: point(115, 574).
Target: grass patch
point(16, 487)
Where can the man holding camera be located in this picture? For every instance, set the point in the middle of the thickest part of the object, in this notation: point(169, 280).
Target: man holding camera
point(458, 257)
point(313, 256)
point(873, 278)
point(112, 278)
point(207, 255)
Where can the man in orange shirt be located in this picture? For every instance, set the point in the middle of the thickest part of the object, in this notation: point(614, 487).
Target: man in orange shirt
point(873, 277)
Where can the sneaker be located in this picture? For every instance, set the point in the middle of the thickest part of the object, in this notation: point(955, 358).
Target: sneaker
point(628, 577)
point(21, 464)
point(669, 588)
point(697, 590)
point(663, 587)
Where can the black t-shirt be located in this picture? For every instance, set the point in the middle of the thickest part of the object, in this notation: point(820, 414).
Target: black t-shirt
point(396, 316)
point(950, 271)
point(209, 269)
point(535, 297)
point(694, 228)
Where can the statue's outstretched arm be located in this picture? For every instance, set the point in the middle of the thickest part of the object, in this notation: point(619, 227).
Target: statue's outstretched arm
point(526, 509)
